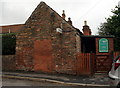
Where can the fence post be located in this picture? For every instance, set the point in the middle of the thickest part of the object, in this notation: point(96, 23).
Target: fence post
point(92, 57)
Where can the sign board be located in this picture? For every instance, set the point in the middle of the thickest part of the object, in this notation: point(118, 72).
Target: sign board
point(103, 45)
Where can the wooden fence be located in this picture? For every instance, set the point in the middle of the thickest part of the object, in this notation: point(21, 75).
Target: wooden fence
point(85, 63)
point(116, 54)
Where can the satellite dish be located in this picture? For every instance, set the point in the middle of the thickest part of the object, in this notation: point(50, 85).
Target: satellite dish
point(59, 30)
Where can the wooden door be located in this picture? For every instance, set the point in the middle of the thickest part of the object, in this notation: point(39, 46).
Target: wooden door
point(103, 63)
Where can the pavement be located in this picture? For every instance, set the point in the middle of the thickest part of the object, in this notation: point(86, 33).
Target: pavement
point(96, 80)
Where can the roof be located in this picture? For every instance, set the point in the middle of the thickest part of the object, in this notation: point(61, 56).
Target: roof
point(98, 36)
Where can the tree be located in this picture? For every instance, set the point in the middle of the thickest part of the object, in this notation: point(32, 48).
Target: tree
point(112, 27)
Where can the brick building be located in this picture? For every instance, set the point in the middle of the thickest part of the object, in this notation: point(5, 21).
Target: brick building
point(40, 45)
point(11, 28)
point(49, 43)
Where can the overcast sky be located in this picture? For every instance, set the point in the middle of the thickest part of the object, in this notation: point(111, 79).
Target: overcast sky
point(94, 11)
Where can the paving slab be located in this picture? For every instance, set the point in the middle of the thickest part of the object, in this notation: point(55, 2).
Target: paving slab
point(96, 80)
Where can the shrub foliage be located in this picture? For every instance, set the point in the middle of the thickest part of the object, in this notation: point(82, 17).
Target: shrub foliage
point(8, 43)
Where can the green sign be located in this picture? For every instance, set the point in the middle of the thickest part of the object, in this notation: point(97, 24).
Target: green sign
point(103, 45)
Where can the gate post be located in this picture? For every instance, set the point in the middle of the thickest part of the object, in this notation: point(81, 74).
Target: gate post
point(92, 63)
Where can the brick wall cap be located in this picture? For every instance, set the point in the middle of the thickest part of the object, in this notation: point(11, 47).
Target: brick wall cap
point(98, 36)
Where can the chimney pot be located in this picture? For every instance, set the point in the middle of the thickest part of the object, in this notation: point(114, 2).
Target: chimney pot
point(85, 22)
point(63, 14)
point(86, 29)
point(69, 21)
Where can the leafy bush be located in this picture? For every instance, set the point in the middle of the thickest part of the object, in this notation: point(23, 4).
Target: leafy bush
point(112, 27)
point(8, 43)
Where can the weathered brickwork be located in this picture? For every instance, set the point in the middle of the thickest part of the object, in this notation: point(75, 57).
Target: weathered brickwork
point(8, 63)
point(48, 43)
point(41, 48)
point(11, 28)
point(43, 60)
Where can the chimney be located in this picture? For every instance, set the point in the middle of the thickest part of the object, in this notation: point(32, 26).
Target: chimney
point(86, 29)
point(63, 14)
point(69, 21)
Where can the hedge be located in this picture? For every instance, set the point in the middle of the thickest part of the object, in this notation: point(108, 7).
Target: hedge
point(8, 43)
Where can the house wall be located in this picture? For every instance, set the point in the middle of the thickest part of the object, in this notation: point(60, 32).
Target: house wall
point(11, 28)
point(78, 44)
point(8, 63)
point(38, 34)
point(43, 59)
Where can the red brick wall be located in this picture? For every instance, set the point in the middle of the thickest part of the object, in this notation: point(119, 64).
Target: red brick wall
point(40, 31)
point(103, 61)
point(24, 57)
point(43, 60)
point(8, 63)
point(86, 30)
point(11, 28)
point(111, 46)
